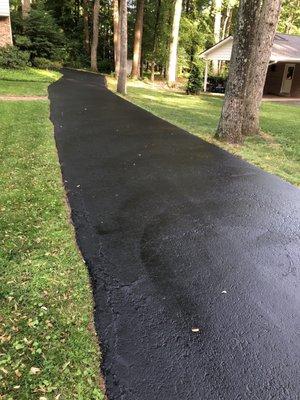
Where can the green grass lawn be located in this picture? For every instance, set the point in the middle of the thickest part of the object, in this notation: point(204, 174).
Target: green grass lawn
point(48, 346)
point(276, 151)
point(28, 82)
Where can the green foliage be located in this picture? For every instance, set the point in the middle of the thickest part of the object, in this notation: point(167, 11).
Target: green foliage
point(196, 30)
point(106, 66)
point(194, 34)
point(217, 83)
point(44, 63)
point(39, 35)
point(195, 81)
point(157, 27)
point(22, 41)
point(76, 56)
point(68, 16)
point(12, 57)
point(289, 21)
point(54, 30)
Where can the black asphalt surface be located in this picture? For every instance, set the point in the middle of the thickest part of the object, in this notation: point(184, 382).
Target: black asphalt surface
point(178, 235)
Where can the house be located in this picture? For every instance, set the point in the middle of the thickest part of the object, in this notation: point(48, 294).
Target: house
point(5, 26)
point(283, 76)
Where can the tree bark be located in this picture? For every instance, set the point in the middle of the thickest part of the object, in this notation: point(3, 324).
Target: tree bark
point(174, 44)
point(86, 30)
point(138, 36)
point(231, 121)
point(155, 37)
point(26, 7)
point(116, 36)
point(141, 64)
point(258, 65)
point(122, 78)
point(217, 31)
point(152, 71)
point(226, 21)
point(252, 45)
point(94, 48)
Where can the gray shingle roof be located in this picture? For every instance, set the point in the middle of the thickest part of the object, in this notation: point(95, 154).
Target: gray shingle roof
point(286, 47)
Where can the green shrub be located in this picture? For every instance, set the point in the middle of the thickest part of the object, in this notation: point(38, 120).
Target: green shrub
point(217, 84)
point(217, 79)
point(12, 57)
point(22, 42)
point(195, 81)
point(39, 34)
point(44, 63)
point(105, 66)
point(76, 56)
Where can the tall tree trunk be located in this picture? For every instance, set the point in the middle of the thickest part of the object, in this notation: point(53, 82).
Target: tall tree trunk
point(217, 30)
point(251, 51)
point(152, 71)
point(141, 64)
point(116, 36)
point(122, 78)
point(86, 30)
point(226, 21)
point(259, 61)
point(231, 121)
point(174, 44)
point(138, 35)
point(26, 7)
point(95, 39)
point(155, 37)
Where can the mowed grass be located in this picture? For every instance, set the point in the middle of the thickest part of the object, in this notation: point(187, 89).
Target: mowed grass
point(48, 346)
point(27, 82)
point(277, 150)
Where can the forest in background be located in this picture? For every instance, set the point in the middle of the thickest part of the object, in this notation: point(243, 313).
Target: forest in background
point(60, 33)
point(161, 39)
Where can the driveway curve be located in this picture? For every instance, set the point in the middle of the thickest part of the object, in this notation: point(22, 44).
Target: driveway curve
point(193, 253)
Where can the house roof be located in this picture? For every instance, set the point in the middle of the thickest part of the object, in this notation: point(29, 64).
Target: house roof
point(285, 48)
point(215, 49)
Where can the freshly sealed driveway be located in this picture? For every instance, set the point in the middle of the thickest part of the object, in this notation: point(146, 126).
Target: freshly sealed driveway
point(193, 254)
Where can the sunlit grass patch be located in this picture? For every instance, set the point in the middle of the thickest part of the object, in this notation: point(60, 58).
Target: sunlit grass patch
point(30, 81)
point(48, 347)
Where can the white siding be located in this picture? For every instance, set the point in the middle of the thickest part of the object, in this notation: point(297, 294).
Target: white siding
point(4, 8)
point(222, 52)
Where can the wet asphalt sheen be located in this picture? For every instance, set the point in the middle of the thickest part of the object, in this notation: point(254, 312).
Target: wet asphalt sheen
point(193, 253)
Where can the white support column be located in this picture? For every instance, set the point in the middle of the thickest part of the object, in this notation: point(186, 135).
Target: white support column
point(205, 75)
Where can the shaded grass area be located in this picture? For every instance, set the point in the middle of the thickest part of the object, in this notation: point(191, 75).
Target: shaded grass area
point(30, 81)
point(48, 346)
point(277, 150)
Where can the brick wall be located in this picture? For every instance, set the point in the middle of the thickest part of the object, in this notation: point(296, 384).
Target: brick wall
point(5, 31)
